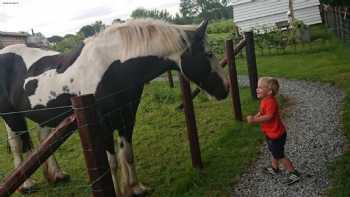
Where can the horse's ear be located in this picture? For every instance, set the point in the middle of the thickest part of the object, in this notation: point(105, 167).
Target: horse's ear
point(200, 32)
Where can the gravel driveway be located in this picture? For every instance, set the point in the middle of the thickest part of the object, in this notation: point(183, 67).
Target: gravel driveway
point(313, 120)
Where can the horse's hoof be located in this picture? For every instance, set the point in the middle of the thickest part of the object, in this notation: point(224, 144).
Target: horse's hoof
point(140, 190)
point(27, 190)
point(62, 178)
point(58, 178)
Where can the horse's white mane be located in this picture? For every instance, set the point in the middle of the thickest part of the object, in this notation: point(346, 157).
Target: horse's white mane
point(142, 37)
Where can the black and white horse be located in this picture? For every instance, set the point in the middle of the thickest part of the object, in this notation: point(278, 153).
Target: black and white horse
point(114, 65)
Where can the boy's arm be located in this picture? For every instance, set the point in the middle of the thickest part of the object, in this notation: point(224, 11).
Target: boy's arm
point(259, 118)
point(257, 114)
point(262, 118)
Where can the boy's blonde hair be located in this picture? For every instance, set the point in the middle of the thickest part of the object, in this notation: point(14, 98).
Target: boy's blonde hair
point(271, 83)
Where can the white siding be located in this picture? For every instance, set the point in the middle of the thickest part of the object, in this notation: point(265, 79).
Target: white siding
point(250, 14)
point(299, 4)
point(237, 2)
point(257, 23)
point(309, 16)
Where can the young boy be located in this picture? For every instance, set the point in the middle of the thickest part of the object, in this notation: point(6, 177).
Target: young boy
point(271, 125)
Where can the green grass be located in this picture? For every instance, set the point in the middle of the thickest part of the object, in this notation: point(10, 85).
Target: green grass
point(162, 151)
point(329, 66)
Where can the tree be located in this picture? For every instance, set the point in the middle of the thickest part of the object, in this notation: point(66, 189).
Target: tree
point(154, 13)
point(69, 42)
point(117, 20)
point(98, 26)
point(211, 9)
point(343, 3)
point(188, 8)
point(87, 31)
point(55, 39)
point(90, 30)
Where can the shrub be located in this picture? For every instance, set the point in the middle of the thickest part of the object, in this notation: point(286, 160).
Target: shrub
point(224, 26)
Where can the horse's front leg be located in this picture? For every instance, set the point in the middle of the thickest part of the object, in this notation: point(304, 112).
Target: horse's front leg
point(108, 141)
point(52, 171)
point(16, 146)
point(130, 184)
point(113, 165)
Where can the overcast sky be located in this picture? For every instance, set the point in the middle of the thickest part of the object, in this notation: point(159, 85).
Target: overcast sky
point(60, 17)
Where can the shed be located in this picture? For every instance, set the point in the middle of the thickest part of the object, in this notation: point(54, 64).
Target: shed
point(249, 14)
point(9, 38)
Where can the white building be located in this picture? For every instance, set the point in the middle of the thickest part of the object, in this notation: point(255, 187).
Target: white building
point(249, 14)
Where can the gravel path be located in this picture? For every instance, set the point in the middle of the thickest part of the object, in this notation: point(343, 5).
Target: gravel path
point(313, 122)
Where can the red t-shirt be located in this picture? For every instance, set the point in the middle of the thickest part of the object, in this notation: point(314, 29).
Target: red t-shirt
point(274, 128)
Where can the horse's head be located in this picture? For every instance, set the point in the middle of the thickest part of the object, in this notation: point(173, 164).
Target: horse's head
point(202, 67)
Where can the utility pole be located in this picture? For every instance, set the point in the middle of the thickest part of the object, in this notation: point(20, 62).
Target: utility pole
point(291, 17)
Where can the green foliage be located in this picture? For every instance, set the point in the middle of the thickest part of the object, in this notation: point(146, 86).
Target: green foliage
point(154, 13)
point(336, 2)
point(55, 39)
point(90, 30)
point(211, 9)
point(216, 42)
point(68, 43)
point(318, 33)
point(221, 26)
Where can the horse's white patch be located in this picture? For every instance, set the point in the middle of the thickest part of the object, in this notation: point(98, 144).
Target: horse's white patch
point(29, 55)
point(86, 72)
point(122, 42)
point(176, 57)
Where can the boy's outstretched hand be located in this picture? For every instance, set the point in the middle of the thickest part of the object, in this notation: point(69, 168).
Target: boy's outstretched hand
point(250, 119)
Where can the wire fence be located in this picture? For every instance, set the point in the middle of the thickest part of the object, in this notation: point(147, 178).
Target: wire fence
point(52, 191)
point(338, 20)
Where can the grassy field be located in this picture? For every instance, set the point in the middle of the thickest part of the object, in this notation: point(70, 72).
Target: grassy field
point(162, 150)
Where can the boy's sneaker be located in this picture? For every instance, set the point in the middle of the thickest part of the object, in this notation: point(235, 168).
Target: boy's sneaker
point(271, 170)
point(293, 177)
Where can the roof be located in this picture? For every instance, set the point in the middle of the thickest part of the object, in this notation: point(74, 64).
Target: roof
point(18, 34)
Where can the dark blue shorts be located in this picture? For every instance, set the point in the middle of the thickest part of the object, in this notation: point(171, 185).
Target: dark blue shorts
point(276, 146)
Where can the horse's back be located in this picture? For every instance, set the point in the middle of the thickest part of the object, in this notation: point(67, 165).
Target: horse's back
point(29, 55)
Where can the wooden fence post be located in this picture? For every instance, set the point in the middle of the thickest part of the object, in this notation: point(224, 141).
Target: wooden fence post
point(93, 148)
point(251, 61)
point(170, 78)
point(233, 80)
point(191, 123)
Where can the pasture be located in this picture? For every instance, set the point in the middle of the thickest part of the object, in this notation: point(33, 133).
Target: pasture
point(162, 151)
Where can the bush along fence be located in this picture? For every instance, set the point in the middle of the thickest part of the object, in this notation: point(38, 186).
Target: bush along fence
point(299, 38)
point(338, 20)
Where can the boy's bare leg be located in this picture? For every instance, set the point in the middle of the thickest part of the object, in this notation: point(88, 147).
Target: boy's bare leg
point(287, 164)
point(274, 163)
